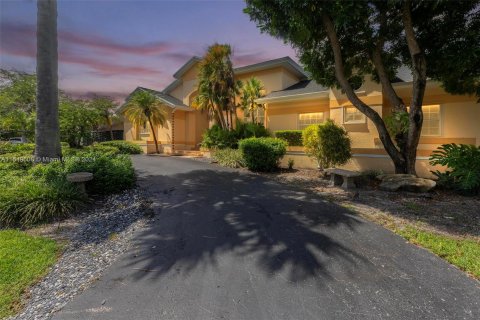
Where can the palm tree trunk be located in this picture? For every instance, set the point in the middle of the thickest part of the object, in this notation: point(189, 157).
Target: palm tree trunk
point(111, 131)
point(252, 115)
point(47, 136)
point(154, 135)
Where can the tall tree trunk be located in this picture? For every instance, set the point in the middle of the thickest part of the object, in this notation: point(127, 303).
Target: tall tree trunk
point(419, 69)
point(154, 135)
point(47, 135)
point(397, 158)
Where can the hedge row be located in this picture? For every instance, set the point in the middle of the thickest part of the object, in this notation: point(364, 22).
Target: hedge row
point(293, 137)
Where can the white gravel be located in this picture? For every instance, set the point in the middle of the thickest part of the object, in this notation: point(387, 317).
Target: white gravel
point(97, 238)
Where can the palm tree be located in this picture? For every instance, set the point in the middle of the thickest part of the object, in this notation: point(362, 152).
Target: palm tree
point(216, 84)
point(105, 107)
point(47, 133)
point(251, 91)
point(143, 107)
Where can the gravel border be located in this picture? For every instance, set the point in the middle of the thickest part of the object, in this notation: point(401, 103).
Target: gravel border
point(95, 239)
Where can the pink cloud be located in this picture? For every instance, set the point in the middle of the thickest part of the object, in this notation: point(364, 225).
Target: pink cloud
point(20, 40)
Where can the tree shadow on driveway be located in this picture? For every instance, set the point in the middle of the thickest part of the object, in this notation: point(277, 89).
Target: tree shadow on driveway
point(203, 215)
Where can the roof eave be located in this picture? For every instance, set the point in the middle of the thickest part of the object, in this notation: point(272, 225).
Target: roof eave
point(291, 97)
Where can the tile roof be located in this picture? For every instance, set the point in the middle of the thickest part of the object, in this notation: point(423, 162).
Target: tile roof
point(302, 87)
point(167, 99)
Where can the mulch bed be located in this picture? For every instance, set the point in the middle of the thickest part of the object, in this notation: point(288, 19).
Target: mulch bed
point(440, 211)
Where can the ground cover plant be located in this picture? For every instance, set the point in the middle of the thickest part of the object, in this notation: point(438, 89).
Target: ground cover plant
point(125, 147)
point(464, 253)
point(463, 167)
point(231, 158)
point(23, 260)
point(32, 194)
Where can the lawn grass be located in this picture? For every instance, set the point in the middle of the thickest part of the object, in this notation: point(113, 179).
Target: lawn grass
point(463, 253)
point(23, 261)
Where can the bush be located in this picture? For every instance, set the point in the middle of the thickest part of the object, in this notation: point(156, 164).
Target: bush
point(125, 147)
point(32, 201)
point(262, 154)
point(7, 147)
point(328, 143)
point(464, 163)
point(98, 148)
point(293, 137)
point(110, 174)
point(245, 130)
point(231, 158)
point(218, 138)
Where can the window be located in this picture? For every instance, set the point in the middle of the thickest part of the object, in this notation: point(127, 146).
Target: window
point(306, 119)
point(353, 115)
point(431, 120)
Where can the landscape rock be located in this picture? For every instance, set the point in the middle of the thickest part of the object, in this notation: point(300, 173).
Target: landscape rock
point(406, 182)
point(99, 236)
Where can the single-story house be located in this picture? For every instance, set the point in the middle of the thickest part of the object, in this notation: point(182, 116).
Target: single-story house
point(293, 101)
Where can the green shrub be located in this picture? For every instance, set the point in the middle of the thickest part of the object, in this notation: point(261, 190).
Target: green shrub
point(98, 148)
point(244, 130)
point(293, 137)
point(228, 157)
point(32, 201)
point(464, 163)
point(218, 138)
point(110, 173)
point(328, 143)
point(7, 147)
point(125, 147)
point(262, 154)
point(19, 160)
point(48, 172)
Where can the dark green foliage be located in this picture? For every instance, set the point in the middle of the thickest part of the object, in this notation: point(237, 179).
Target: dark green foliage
point(464, 163)
point(245, 130)
point(218, 138)
point(231, 158)
point(447, 31)
point(293, 137)
point(110, 173)
point(125, 147)
point(262, 154)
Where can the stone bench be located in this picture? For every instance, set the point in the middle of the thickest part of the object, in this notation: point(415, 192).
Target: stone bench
point(345, 178)
point(79, 178)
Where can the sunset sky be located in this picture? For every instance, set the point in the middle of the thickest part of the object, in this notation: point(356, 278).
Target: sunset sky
point(111, 47)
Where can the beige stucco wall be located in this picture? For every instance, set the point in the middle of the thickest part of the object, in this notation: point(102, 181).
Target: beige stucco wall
point(460, 123)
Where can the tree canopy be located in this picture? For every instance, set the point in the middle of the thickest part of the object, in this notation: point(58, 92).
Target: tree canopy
point(343, 43)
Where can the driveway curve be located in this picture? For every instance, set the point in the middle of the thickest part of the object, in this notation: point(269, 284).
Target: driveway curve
point(231, 245)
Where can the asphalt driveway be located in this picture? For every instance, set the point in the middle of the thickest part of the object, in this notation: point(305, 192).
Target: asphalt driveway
point(230, 245)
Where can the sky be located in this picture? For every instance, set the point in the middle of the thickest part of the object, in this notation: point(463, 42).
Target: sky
point(109, 47)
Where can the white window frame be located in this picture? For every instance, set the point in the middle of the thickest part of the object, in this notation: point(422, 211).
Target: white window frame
point(298, 118)
point(344, 109)
point(440, 121)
